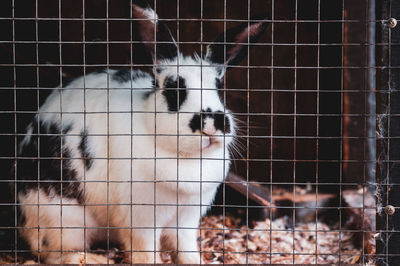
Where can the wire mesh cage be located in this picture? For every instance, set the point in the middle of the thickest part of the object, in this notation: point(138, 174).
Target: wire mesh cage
point(199, 131)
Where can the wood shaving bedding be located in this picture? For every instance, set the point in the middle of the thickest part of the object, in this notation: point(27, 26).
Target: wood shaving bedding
point(226, 241)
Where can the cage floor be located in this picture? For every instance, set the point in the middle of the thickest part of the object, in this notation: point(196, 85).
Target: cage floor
point(276, 242)
point(227, 240)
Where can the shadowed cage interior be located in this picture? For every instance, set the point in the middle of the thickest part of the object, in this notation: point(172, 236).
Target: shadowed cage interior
point(314, 105)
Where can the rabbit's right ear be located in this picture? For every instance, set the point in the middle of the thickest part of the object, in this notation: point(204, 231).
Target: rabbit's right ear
point(155, 35)
point(231, 47)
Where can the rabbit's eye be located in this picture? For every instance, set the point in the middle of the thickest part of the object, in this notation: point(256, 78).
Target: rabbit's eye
point(175, 93)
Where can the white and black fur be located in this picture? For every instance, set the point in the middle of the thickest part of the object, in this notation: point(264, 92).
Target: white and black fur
point(140, 154)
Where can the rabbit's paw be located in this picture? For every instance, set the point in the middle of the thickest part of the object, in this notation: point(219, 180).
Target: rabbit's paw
point(142, 257)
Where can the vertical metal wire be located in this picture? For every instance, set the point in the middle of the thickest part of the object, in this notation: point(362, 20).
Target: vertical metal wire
point(271, 151)
point(342, 80)
point(294, 129)
point(128, 250)
point(60, 93)
point(155, 160)
point(15, 133)
point(177, 142)
point(224, 88)
point(84, 125)
point(201, 129)
point(224, 140)
point(38, 106)
point(247, 129)
point(108, 123)
point(317, 127)
point(366, 133)
point(388, 142)
point(155, 127)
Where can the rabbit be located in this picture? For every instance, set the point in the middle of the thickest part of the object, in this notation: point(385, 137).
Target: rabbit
point(131, 157)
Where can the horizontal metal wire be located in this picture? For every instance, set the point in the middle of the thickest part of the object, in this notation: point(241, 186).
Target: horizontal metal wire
point(205, 252)
point(183, 112)
point(288, 160)
point(197, 19)
point(263, 44)
point(188, 65)
point(275, 137)
point(320, 183)
point(210, 228)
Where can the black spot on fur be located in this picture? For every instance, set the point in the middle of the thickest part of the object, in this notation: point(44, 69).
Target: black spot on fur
point(83, 148)
point(195, 123)
point(219, 124)
point(45, 242)
point(147, 94)
point(125, 75)
point(66, 129)
point(218, 83)
point(122, 75)
point(43, 163)
point(101, 71)
point(175, 93)
point(155, 87)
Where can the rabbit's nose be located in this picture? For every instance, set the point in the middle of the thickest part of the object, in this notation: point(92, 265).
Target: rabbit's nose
point(209, 128)
point(209, 132)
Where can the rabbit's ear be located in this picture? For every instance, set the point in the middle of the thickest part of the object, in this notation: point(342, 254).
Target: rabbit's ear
point(155, 35)
point(234, 42)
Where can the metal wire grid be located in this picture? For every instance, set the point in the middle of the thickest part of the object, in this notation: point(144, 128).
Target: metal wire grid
point(389, 228)
point(248, 115)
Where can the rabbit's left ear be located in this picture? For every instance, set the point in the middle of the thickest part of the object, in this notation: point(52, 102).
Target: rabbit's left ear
point(235, 42)
point(156, 36)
